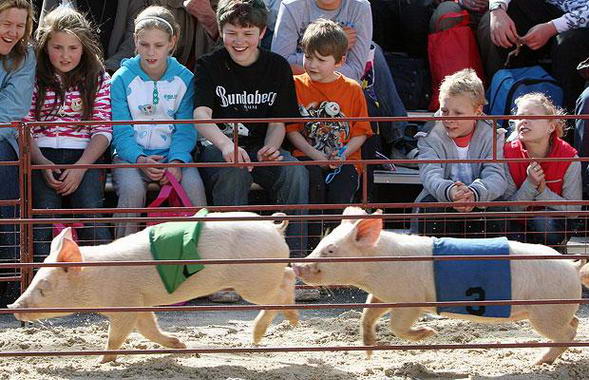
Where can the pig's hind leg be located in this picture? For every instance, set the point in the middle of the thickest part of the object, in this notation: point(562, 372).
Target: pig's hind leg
point(547, 324)
point(402, 320)
point(149, 328)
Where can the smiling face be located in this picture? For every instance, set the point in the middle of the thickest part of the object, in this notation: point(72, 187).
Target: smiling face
point(65, 51)
point(242, 42)
point(321, 68)
point(532, 131)
point(458, 105)
point(13, 22)
point(154, 46)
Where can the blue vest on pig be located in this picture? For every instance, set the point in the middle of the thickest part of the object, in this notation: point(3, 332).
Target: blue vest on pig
point(176, 241)
point(473, 280)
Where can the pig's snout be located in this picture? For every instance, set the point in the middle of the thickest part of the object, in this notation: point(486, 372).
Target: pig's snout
point(306, 272)
point(18, 305)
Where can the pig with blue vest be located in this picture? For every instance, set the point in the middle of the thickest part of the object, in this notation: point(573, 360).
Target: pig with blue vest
point(111, 286)
point(361, 235)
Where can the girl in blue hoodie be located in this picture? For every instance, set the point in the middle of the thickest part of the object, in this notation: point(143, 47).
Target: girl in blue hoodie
point(153, 86)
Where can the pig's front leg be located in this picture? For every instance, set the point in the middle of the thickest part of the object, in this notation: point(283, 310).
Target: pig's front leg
point(368, 322)
point(149, 328)
point(121, 325)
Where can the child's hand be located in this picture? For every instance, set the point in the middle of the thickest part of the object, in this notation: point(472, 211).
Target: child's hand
point(51, 176)
point(269, 153)
point(462, 193)
point(539, 35)
point(536, 175)
point(338, 160)
point(153, 173)
point(176, 172)
point(351, 34)
point(70, 180)
point(242, 156)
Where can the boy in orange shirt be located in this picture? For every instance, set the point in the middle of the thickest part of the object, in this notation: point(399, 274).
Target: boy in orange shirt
point(324, 92)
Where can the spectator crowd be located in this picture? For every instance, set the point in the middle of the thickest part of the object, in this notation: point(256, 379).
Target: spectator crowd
point(169, 60)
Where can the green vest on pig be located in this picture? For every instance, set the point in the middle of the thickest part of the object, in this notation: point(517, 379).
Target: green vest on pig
point(176, 241)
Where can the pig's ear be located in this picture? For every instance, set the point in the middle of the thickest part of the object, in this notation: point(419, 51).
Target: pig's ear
point(69, 252)
point(367, 232)
point(351, 210)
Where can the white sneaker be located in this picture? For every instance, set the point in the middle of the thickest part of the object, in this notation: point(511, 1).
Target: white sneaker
point(307, 294)
point(225, 296)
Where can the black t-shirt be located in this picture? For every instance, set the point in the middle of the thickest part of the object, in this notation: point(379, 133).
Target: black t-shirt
point(263, 89)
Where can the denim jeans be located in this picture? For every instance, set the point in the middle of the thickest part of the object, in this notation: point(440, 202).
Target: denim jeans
point(286, 185)
point(341, 189)
point(539, 230)
point(460, 227)
point(389, 102)
point(9, 190)
point(89, 194)
point(581, 142)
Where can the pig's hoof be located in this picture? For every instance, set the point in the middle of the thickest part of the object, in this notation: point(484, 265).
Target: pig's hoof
point(544, 360)
point(256, 339)
point(420, 333)
point(293, 317)
point(175, 343)
point(368, 354)
point(107, 359)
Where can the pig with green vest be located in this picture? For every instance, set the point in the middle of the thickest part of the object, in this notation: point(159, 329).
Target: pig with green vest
point(111, 286)
point(362, 235)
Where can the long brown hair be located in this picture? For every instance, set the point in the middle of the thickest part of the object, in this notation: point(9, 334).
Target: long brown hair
point(18, 53)
point(87, 76)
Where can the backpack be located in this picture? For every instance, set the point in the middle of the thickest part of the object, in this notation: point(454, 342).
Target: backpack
point(509, 84)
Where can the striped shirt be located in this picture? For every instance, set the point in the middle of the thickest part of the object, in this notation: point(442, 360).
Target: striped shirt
point(71, 136)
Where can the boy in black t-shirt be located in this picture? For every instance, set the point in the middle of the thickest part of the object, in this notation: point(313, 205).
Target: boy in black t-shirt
point(243, 81)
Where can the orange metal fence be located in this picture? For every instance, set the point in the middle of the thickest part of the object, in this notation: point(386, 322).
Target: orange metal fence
point(29, 216)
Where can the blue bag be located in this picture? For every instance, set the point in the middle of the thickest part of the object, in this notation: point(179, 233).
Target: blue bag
point(509, 84)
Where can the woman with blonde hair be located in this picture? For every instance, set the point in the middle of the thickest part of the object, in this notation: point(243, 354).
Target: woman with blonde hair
point(17, 74)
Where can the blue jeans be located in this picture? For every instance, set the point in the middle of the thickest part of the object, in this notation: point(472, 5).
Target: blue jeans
point(89, 194)
point(539, 230)
point(286, 185)
point(581, 141)
point(8, 190)
point(454, 226)
point(389, 102)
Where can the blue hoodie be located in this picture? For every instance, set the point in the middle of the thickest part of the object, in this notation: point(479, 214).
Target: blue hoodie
point(16, 93)
point(132, 98)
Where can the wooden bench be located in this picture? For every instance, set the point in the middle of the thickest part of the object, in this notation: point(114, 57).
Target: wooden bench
point(401, 175)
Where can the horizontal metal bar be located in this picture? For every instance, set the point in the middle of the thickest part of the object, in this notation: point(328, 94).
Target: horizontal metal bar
point(384, 305)
point(204, 350)
point(293, 260)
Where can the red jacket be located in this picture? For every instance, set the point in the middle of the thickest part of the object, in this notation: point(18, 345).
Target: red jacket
point(554, 171)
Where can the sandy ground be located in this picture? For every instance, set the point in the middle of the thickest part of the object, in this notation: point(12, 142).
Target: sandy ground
point(317, 328)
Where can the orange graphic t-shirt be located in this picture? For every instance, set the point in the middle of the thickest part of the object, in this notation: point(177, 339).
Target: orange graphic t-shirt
point(340, 98)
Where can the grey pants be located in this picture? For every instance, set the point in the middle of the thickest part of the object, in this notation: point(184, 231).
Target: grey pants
point(131, 187)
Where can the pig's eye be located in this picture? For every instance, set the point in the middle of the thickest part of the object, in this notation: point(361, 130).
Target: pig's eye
point(329, 250)
point(41, 292)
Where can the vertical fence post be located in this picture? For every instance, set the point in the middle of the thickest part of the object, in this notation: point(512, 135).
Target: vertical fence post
point(26, 236)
